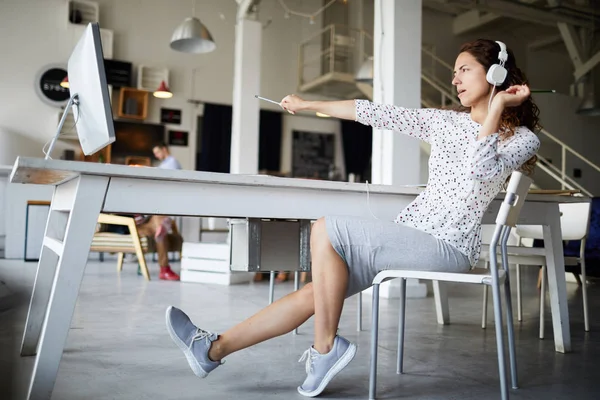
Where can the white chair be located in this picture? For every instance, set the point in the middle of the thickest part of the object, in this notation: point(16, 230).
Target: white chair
point(574, 222)
point(506, 219)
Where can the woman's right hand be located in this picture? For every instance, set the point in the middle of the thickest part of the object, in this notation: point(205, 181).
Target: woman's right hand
point(292, 103)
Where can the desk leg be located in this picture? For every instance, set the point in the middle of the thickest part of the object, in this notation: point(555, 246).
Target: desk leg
point(83, 197)
point(557, 285)
point(40, 295)
point(440, 294)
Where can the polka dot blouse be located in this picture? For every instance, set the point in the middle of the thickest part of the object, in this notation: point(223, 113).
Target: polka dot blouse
point(465, 174)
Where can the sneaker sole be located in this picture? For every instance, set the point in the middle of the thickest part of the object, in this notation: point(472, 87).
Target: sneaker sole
point(194, 365)
point(336, 369)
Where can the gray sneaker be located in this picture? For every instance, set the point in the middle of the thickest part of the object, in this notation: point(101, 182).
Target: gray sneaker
point(193, 341)
point(322, 368)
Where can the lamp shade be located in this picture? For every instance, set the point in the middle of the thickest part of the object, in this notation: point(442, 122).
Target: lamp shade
point(163, 91)
point(192, 37)
point(65, 82)
point(365, 73)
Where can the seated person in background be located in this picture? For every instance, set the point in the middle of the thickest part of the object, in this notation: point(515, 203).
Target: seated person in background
point(167, 161)
point(158, 225)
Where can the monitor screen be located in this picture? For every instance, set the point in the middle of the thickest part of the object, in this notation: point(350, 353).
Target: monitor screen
point(88, 87)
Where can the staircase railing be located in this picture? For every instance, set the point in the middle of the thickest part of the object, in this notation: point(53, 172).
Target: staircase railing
point(437, 73)
point(566, 182)
point(564, 150)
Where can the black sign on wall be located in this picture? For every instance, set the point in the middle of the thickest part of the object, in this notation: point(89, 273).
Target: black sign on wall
point(170, 116)
point(178, 138)
point(47, 85)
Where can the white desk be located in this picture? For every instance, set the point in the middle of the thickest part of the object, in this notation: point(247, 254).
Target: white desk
point(83, 190)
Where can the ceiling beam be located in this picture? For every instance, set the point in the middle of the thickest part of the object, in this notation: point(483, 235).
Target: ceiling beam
point(569, 35)
point(520, 11)
point(540, 43)
point(471, 20)
point(245, 7)
point(587, 66)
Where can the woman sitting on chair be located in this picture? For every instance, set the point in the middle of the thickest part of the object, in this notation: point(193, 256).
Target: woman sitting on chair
point(473, 152)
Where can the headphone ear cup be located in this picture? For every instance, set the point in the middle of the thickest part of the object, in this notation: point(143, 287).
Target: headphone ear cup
point(496, 75)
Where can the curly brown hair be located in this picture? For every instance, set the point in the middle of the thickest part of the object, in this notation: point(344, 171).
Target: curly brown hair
point(527, 114)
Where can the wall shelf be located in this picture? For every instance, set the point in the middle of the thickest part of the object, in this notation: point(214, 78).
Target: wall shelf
point(133, 104)
point(81, 12)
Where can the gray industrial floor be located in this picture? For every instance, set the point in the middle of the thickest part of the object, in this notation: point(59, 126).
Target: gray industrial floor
point(118, 347)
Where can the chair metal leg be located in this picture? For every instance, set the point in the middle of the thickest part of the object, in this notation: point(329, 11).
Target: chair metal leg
point(484, 308)
point(542, 301)
point(359, 313)
point(586, 321)
point(401, 320)
point(485, 302)
point(509, 315)
point(498, 310)
point(519, 295)
point(271, 286)
point(374, 334)
point(296, 287)
point(511, 337)
point(500, 341)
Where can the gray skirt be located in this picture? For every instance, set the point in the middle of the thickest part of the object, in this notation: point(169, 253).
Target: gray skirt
point(369, 246)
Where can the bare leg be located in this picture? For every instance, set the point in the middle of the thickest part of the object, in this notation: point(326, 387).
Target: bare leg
point(280, 317)
point(324, 297)
point(330, 282)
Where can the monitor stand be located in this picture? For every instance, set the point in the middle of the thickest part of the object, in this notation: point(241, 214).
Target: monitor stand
point(73, 101)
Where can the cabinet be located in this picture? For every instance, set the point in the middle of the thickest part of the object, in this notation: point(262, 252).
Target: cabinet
point(133, 104)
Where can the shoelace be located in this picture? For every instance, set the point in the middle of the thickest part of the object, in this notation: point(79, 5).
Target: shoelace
point(199, 335)
point(310, 356)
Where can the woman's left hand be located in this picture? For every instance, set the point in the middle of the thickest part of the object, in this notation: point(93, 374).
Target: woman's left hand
point(513, 96)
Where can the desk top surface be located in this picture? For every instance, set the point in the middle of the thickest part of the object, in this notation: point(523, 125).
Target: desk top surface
point(29, 170)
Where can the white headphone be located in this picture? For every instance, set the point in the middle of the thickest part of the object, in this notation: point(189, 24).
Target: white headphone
point(497, 73)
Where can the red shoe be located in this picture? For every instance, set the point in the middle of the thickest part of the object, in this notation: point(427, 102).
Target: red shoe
point(166, 274)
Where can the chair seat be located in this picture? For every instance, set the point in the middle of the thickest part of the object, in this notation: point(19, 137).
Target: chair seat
point(476, 275)
point(115, 242)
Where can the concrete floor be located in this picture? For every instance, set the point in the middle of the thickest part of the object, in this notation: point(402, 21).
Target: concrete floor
point(118, 347)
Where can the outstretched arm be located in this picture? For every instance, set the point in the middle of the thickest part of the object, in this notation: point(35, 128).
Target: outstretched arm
point(343, 109)
point(413, 122)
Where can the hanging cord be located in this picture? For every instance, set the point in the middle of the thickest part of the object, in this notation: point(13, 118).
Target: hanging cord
point(369, 201)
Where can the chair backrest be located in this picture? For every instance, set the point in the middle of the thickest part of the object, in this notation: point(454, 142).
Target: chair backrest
point(518, 186)
point(574, 220)
point(574, 223)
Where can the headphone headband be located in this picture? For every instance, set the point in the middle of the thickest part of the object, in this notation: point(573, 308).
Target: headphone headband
point(503, 55)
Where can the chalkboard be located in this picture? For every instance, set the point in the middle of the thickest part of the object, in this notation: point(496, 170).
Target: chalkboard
point(313, 154)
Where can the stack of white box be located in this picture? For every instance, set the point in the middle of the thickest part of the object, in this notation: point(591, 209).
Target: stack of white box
point(208, 261)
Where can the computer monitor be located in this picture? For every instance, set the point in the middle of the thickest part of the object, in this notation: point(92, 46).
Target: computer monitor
point(90, 99)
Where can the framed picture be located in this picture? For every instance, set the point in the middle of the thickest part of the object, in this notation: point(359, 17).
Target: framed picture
point(178, 138)
point(170, 116)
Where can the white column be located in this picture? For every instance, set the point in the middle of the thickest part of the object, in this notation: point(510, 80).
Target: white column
point(246, 109)
point(397, 80)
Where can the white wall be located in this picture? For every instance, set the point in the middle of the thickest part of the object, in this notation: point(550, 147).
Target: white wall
point(142, 31)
